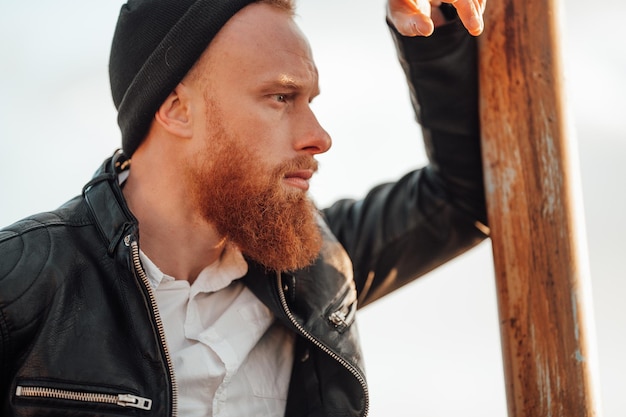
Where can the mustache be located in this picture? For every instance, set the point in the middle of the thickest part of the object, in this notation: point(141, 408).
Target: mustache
point(300, 162)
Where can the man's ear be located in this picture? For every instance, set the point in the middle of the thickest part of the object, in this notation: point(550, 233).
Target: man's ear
point(175, 114)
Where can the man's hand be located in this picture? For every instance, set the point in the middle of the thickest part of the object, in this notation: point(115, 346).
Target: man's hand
point(420, 17)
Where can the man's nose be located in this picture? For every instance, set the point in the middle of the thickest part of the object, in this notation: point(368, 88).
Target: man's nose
point(313, 138)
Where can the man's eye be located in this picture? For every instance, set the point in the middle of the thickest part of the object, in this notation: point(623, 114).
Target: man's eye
point(281, 97)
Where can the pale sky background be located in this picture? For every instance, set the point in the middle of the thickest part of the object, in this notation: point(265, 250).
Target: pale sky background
point(432, 349)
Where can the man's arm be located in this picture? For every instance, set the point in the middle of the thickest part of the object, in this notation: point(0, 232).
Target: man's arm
point(442, 76)
point(402, 230)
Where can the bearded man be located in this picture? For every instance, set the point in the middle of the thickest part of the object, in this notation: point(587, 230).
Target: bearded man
point(194, 276)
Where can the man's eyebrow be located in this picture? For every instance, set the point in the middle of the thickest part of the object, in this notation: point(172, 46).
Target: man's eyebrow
point(290, 83)
point(284, 81)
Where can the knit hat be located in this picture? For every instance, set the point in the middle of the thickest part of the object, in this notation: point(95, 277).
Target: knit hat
point(156, 42)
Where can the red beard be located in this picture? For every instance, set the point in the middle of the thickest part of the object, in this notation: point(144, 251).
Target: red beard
point(274, 226)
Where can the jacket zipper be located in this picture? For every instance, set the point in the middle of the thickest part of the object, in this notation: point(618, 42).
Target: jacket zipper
point(354, 371)
point(134, 247)
point(123, 400)
point(342, 315)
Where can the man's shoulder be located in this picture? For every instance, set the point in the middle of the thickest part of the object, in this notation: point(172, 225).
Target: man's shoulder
point(68, 215)
point(31, 240)
point(44, 250)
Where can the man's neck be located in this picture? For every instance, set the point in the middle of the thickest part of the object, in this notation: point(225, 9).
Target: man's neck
point(171, 233)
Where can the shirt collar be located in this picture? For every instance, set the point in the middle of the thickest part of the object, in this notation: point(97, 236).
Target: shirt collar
point(230, 266)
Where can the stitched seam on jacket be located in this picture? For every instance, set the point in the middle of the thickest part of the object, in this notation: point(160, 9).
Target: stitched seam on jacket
point(37, 225)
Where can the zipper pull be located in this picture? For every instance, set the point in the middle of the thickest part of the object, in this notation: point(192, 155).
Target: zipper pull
point(338, 318)
point(129, 400)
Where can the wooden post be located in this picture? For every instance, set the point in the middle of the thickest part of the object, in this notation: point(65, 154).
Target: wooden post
point(534, 213)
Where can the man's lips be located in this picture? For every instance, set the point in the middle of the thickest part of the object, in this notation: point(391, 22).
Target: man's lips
point(299, 179)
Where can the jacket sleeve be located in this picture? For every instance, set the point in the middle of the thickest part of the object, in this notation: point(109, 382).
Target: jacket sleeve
point(403, 230)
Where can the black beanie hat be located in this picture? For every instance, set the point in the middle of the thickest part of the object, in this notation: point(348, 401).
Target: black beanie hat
point(156, 42)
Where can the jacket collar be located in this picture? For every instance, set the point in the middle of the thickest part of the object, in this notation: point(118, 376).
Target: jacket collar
point(106, 202)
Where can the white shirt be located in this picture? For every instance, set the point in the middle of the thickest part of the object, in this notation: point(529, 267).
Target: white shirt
point(231, 357)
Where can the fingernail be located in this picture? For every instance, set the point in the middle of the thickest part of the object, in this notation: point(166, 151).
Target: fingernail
point(475, 24)
point(422, 28)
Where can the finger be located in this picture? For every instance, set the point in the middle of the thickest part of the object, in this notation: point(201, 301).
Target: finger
point(471, 14)
point(411, 17)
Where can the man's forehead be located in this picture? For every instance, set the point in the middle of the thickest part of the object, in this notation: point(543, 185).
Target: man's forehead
point(260, 22)
point(262, 37)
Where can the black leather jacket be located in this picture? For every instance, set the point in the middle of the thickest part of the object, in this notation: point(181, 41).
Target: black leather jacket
point(80, 333)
